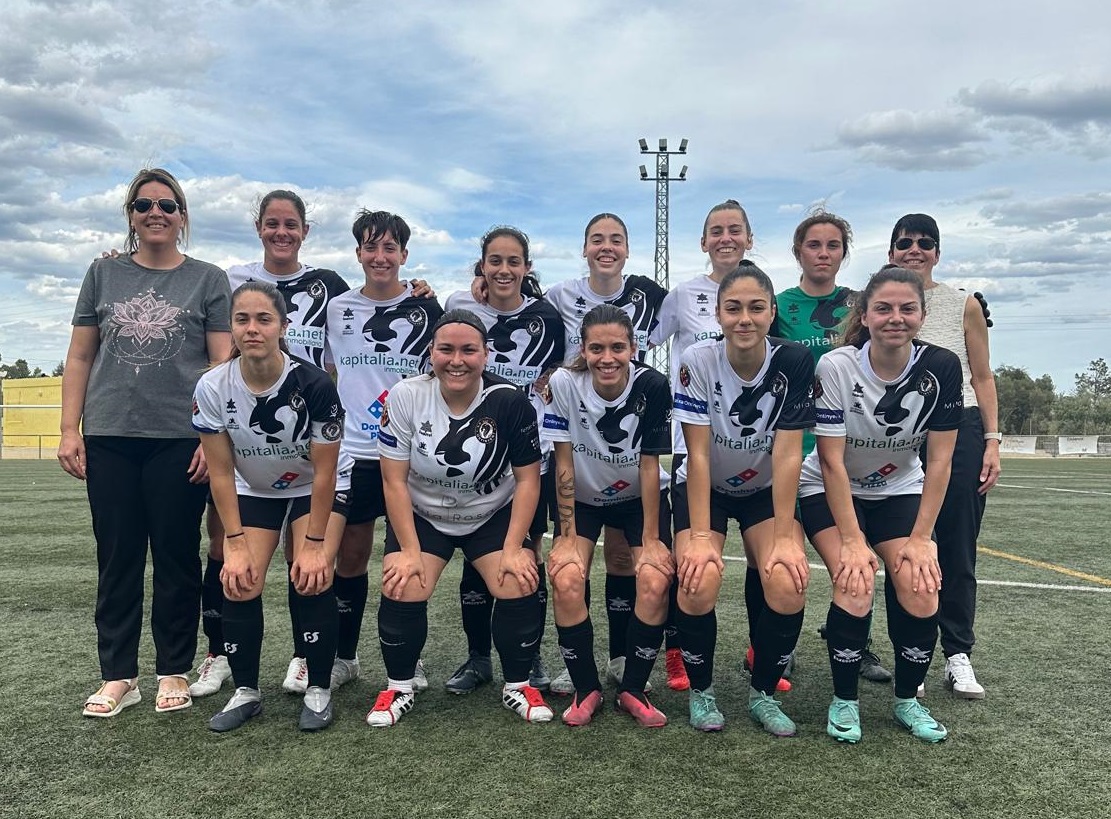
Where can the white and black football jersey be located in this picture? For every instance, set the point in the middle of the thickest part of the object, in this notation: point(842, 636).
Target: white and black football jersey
point(522, 344)
point(743, 416)
point(271, 431)
point(686, 317)
point(639, 296)
point(884, 423)
point(608, 437)
point(306, 295)
point(460, 466)
point(373, 345)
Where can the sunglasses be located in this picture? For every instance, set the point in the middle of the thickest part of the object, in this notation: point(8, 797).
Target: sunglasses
point(905, 243)
point(143, 204)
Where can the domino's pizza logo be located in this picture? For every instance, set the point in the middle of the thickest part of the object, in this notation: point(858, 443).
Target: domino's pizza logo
point(879, 477)
point(378, 406)
point(615, 488)
point(285, 481)
point(741, 478)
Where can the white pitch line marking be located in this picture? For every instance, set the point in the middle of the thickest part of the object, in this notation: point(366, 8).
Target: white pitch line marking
point(1053, 489)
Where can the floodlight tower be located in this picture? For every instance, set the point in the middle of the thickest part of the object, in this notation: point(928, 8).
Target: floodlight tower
point(663, 178)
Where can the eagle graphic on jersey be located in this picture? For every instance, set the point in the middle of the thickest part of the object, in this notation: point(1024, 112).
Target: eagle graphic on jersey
point(288, 403)
point(908, 403)
point(511, 332)
point(757, 408)
point(634, 301)
point(473, 438)
point(825, 312)
point(379, 328)
point(312, 300)
point(619, 423)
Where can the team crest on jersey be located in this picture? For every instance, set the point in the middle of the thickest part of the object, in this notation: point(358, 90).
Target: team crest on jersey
point(331, 431)
point(316, 290)
point(685, 375)
point(636, 297)
point(196, 409)
point(641, 405)
point(384, 421)
point(485, 430)
point(296, 402)
point(816, 390)
point(535, 327)
point(779, 384)
point(546, 394)
point(907, 406)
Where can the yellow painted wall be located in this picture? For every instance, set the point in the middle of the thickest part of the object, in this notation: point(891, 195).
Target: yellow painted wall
point(31, 433)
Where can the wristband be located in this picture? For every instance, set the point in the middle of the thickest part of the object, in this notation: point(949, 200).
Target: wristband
point(314, 539)
point(237, 534)
point(993, 436)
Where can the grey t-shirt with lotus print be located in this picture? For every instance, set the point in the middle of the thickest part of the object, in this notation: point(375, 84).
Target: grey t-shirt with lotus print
point(152, 343)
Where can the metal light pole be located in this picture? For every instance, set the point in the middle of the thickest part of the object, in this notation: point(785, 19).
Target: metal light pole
point(663, 177)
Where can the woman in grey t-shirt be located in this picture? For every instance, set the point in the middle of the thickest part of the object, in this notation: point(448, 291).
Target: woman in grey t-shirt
point(146, 325)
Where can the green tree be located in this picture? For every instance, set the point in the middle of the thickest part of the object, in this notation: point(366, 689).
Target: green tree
point(1096, 380)
point(60, 369)
point(19, 369)
point(1088, 410)
point(1025, 404)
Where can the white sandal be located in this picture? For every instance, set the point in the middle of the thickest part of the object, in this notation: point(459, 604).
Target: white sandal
point(163, 696)
point(131, 697)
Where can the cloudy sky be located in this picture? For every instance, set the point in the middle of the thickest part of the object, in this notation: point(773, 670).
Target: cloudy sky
point(994, 117)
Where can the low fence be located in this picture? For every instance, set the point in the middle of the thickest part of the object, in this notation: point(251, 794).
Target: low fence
point(1055, 445)
point(30, 447)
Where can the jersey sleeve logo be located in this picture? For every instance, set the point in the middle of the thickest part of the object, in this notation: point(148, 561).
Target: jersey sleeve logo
point(331, 431)
point(685, 375)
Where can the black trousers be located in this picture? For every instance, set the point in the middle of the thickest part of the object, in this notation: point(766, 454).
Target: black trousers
point(956, 532)
point(139, 494)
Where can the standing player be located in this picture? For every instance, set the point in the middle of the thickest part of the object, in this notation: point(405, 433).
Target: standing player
point(270, 426)
point(864, 491)
point(376, 336)
point(282, 226)
point(957, 322)
point(606, 249)
point(688, 316)
point(525, 337)
point(461, 467)
point(743, 402)
point(615, 415)
point(813, 313)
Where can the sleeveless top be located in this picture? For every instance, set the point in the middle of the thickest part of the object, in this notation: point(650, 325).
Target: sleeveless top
point(944, 327)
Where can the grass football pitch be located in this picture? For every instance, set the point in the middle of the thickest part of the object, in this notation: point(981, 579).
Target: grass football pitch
point(1037, 746)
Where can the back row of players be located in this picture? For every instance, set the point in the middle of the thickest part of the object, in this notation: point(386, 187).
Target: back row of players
point(454, 459)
